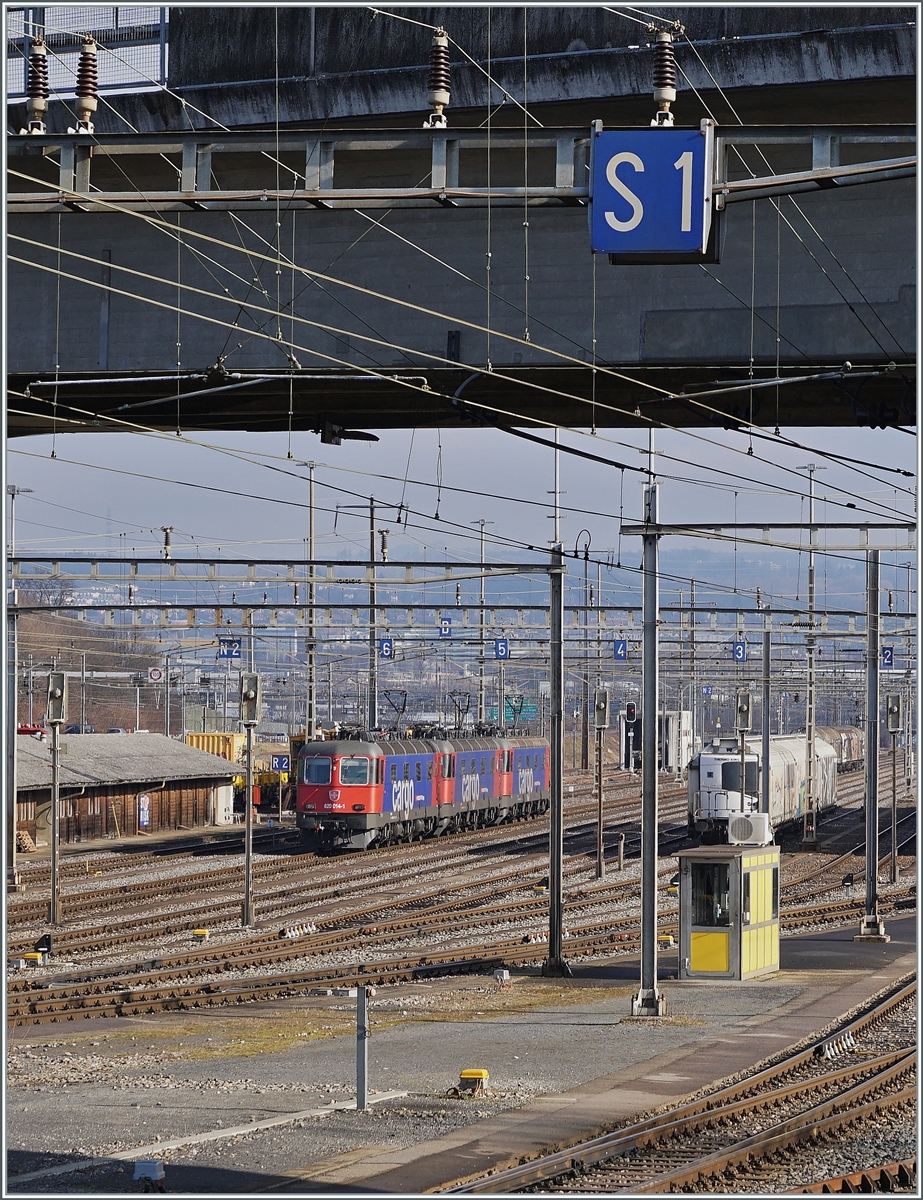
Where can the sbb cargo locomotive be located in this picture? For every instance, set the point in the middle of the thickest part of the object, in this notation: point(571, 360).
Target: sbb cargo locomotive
point(722, 807)
point(356, 793)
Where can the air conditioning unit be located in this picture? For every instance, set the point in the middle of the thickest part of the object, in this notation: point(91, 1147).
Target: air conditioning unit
point(752, 830)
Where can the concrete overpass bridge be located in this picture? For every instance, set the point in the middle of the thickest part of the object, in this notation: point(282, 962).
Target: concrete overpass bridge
point(321, 263)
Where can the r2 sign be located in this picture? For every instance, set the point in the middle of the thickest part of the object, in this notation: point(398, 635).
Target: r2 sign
point(650, 196)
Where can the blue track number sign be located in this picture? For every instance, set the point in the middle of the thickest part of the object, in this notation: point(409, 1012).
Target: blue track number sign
point(280, 762)
point(501, 648)
point(740, 652)
point(386, 648)
point(445, 626)
point(621, 650)
point(887, 656)
point(651, 192)
point(229, 647)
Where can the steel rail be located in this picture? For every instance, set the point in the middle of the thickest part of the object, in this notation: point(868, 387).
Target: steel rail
point(133, 993)
point(577, 1158)
point(825, 1118)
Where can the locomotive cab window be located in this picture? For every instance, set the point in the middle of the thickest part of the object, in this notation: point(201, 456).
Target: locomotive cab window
point(354, 771)
point(710, 894)
point(316, 770)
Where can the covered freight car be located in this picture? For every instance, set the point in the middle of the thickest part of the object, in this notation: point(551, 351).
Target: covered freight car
point(724, 807)
point(848, 742)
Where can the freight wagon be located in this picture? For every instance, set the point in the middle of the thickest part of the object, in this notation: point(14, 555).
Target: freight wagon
point(724, 807)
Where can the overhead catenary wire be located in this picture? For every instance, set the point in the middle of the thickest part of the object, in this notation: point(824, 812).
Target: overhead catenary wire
point(305, 349)
point(692, 398)
point(460, 530)
point(674, 25)
point(504, 335)
point(801, 213)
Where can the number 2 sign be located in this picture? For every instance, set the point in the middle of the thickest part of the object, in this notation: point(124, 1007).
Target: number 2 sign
point(651, 193)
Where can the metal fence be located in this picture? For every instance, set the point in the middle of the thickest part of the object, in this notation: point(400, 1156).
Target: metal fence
point(132, 38)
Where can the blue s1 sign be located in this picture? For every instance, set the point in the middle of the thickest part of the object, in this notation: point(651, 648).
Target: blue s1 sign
point(650, 194)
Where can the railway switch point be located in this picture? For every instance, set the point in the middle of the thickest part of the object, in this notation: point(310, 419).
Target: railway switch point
point(473, 1080)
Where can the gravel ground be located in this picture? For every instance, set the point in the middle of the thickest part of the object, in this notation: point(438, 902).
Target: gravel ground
point(172, 1081)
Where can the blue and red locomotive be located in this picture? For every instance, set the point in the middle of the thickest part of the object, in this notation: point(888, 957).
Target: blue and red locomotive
point(359, 793)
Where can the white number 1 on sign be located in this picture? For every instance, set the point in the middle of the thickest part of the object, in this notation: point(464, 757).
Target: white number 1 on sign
point(684, 164)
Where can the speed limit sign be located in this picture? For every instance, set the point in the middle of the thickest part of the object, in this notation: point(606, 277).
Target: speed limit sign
point(155, 675)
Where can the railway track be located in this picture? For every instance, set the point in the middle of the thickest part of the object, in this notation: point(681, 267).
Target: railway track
point(740, 1131)
point(381, 905)
point(202, 978)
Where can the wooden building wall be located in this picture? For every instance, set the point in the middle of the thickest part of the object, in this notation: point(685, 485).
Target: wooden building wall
point(117, 810)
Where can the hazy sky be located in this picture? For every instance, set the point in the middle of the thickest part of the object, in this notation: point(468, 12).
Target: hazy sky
point(77, 506)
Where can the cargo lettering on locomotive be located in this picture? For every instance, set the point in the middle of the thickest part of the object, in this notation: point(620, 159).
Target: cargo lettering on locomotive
point(471, 788)
point(526, 780)
point(402, 793)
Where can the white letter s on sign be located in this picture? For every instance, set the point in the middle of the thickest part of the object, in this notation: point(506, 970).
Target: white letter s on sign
point(626, 193)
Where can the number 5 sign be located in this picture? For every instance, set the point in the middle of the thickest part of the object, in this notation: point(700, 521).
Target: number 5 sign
point(650, 198)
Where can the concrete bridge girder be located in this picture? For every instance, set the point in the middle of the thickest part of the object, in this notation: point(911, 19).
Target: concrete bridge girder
point(676, 327)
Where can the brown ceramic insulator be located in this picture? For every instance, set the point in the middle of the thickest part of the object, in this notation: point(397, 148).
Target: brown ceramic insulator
point(664, 65)
point(87, 79)
point(37, 83)
point(439, 79)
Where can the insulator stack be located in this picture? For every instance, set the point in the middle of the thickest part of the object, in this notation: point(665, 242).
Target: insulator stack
point(438, 81)
point(664, 78)
point(37, 86)
point(87, 83)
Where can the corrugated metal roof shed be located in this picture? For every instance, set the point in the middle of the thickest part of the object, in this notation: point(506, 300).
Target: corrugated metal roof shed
point(102, 758)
